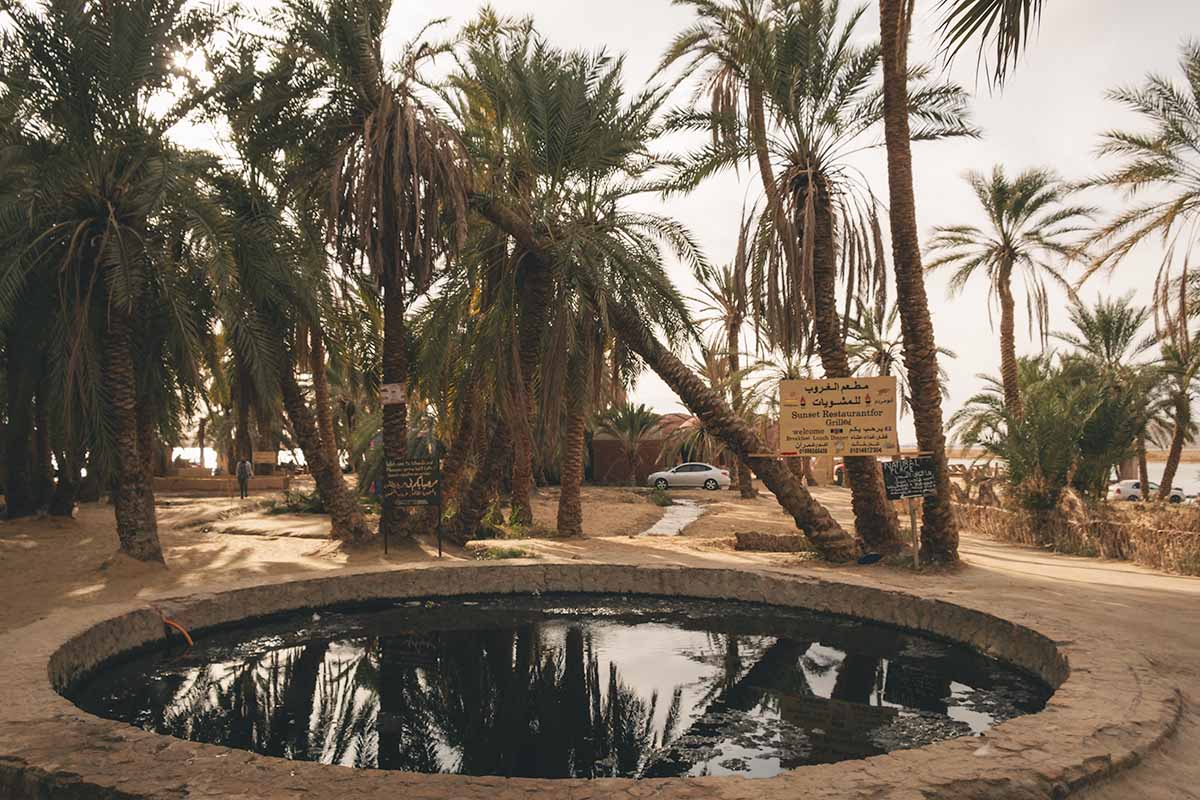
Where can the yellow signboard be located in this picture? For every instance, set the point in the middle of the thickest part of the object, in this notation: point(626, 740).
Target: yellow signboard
point(264, 457)
point(838, 416)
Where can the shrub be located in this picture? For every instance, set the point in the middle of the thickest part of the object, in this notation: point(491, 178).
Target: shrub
point(296, 501)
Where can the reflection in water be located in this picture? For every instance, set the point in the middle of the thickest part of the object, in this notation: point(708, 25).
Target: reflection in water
point(562, 686)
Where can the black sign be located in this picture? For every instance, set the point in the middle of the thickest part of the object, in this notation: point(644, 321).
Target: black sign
point(413, 481)
point(909, 477)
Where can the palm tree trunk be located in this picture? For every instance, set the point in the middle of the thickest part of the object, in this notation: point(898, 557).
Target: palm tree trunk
point(811, 517)
point(570, 503)
point(535, 298)
point(1008, 344)
point(345, 516)
point(1143, 467)
point(744, 479)
point(321, 395)
point(201, 430)
point(395, 414)
point(464, 443)
point(43, 464)
point(1183, 418)
point(783, 226)
point(939, 531)
point(242, 441)
point(874, 518)
point(264, 442)
point(474, 504)
point(133, 496)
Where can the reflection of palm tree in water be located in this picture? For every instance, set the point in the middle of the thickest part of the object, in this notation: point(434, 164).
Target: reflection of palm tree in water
point(509, 703)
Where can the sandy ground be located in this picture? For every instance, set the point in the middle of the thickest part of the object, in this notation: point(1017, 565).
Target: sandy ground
point(47, 565)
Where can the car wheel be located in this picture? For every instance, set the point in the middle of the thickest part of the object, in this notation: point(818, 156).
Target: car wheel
point(712, 485)
point(1176, 498)
point(1134, 498)
point(661, 483)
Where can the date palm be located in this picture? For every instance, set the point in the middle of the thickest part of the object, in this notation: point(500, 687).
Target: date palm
point(1002, 27)
point(1031, 229)
point(631, 425)
point(395, 171)
point(725, 299)
point(1165, 161)
point(112, 206)
point(811, 144)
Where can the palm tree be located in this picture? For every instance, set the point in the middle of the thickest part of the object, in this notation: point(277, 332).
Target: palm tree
point(1110, 347)
point(631, 425)
point(117, 209)
point(816, 132)
point(1166, 159)
point(875, 347)
point(395, 170)
point(725, 297)
point(939, 532)
point(1029, 227)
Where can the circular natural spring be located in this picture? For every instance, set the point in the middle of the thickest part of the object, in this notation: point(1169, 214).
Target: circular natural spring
point(564, 685)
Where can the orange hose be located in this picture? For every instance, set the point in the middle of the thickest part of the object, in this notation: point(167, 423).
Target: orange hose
point(179, 628)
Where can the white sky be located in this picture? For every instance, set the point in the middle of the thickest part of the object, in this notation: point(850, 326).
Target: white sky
point(1049, 114)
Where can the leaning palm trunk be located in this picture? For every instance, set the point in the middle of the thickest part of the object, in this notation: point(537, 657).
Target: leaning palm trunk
point(346, 518)
point(1183, 414)
point(1008, 346)
point(939, 532)
point(874, 517)
point(811, 517)
point(395, 414)
point(133, 497)
point(570, 503)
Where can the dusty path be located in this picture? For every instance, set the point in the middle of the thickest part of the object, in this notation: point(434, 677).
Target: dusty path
point(47, 565)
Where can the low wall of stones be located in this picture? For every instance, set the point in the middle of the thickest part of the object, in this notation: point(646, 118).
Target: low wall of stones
point(50, 748)
point(1106, 534)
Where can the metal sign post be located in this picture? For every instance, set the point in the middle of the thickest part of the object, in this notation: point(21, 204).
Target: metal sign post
point(907, 479)
point(413, 483)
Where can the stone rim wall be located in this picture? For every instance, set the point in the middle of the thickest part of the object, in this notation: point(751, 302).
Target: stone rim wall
point(50, 747)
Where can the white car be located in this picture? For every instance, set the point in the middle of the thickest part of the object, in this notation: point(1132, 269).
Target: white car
point(1132, 490)
point(690, 475)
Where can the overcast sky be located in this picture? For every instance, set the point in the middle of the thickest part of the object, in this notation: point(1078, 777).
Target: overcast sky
point(1049, 114)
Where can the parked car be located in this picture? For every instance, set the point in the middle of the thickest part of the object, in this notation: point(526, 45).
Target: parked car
point(691, 475)
point(1132, 490)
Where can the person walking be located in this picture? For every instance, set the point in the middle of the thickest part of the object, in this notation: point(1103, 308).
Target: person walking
point(244, 473)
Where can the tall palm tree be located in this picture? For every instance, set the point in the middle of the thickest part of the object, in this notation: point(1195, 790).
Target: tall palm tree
point(815, 133)
point(1030, 228)
point(1165, 160)
point(631, 425)
point(394, 169)
point(116, 204)
point(939, 531)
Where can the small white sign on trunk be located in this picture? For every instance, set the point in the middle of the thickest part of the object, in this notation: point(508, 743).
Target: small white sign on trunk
point(392, 394)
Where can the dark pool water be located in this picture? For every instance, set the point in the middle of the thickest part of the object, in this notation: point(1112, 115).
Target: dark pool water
point(564, 685)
